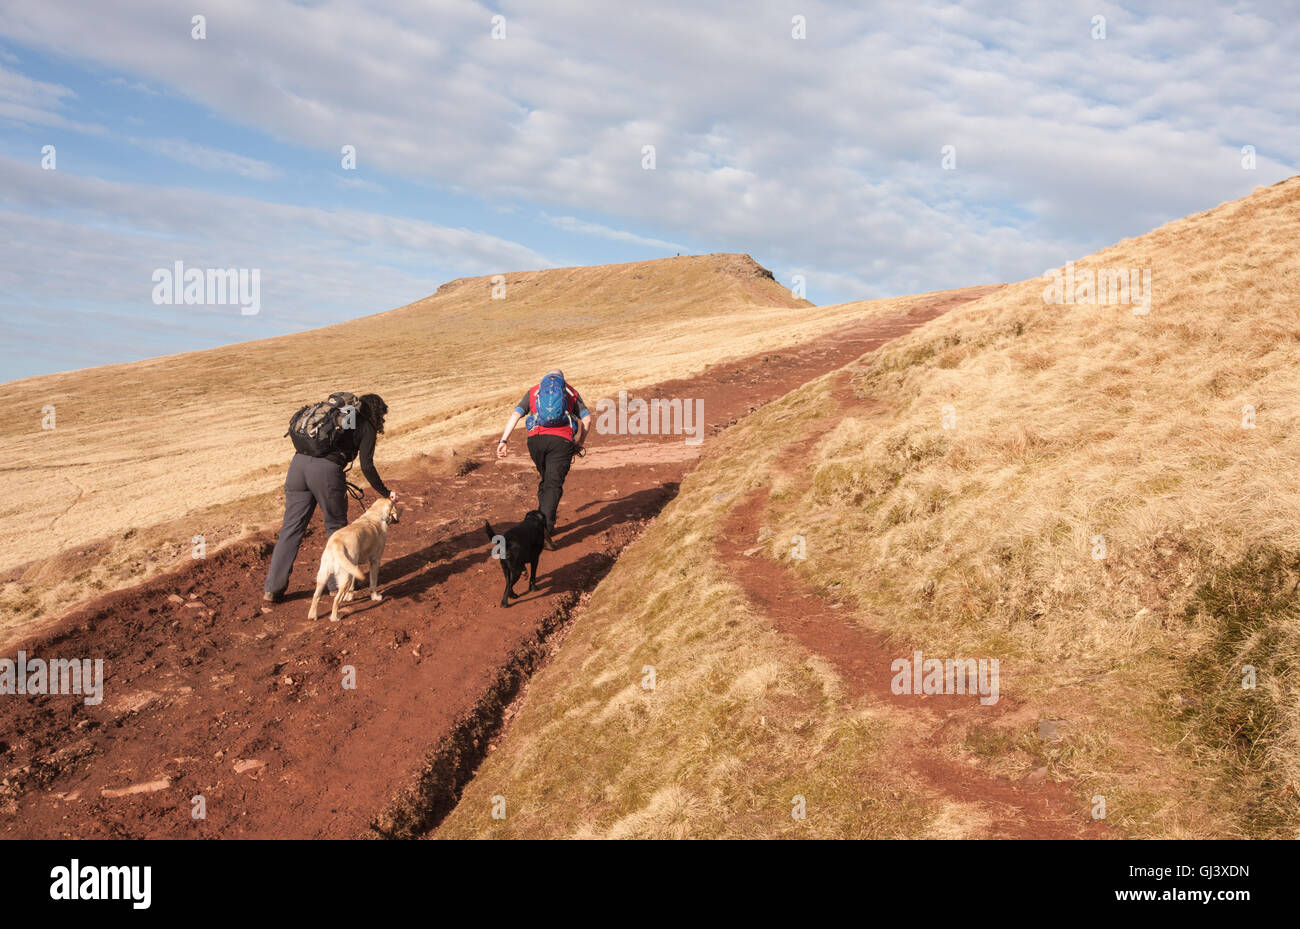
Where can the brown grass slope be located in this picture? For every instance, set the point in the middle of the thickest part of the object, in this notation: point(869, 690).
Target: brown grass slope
point(119, 489)
point(1074, 425)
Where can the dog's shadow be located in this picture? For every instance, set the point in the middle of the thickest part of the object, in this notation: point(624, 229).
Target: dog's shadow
point(462, 549)
point(428, 567)
point(579, 575)
point(327, 597)
point(433, 564)
point(359, 606)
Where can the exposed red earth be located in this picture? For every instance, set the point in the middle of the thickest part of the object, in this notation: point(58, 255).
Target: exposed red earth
point(1034, 808)
point(207, 696)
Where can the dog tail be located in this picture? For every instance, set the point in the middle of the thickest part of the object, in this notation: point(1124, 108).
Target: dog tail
point(350, 567)
point(490, 533)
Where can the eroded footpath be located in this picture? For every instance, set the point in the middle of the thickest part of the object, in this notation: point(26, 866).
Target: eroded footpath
point(208, 697)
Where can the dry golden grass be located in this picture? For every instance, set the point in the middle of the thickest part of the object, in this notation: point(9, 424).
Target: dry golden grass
point(1072, 422)
point(115, 493)
point(737, 725)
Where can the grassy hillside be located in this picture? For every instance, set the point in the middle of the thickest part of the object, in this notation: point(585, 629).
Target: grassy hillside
point(739, 723)
point(119, 488)
point(1072, 427)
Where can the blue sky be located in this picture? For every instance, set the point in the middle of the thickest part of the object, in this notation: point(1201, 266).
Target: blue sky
point(819, 156)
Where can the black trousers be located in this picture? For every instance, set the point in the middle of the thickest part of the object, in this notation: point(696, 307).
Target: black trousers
point(552, 455)
point(311, 481)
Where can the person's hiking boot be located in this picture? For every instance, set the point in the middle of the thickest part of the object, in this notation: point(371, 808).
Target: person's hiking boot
point(548, 540)
point(269, 598)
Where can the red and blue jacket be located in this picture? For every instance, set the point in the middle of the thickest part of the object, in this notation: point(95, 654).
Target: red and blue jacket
point(576, 409)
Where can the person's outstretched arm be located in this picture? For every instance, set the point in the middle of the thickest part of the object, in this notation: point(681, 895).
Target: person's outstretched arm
point(368, 459)
point(520, 411)
point(584, 421)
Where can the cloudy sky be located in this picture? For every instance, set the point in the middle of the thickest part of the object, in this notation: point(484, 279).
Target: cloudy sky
point(821, 156)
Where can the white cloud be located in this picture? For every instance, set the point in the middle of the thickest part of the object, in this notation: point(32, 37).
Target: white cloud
point(137, 86)
point(357, 183)
point(209, 159)
point(573, 224)
point(821, 154)
point(29, 102)
point(80, 246)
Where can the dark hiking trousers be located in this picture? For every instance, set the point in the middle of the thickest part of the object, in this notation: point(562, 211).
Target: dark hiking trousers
point(311, 481)
point(552, 454)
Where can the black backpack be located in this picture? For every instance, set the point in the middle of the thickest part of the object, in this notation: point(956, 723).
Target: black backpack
point(317, 428)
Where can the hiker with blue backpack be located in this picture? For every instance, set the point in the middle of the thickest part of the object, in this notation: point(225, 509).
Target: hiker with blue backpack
point(557, 423)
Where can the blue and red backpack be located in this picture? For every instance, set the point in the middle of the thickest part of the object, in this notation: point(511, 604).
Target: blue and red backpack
point(552, 402)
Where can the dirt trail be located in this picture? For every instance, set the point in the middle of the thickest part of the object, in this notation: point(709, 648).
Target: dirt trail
point(206, 696)
point(1029, 809)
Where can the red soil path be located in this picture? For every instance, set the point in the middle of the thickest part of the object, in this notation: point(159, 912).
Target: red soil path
point(210, 697)
point(1025, 809)
point(1034, 808)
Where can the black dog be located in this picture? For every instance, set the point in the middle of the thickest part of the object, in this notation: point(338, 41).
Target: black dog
point(523, 547)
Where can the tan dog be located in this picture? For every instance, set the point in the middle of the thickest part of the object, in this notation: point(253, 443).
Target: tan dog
point(360, 543)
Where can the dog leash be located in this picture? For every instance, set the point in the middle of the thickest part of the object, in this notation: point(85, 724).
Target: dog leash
point(353, 490)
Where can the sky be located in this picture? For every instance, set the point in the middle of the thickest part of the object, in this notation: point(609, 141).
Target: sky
point(894, 148)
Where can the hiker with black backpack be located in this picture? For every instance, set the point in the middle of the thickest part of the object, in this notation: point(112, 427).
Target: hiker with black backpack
point(557, 427)
point(327, 437)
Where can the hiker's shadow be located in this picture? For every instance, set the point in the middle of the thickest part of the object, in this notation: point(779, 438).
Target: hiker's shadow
point(639, 505)
point(421, 570)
